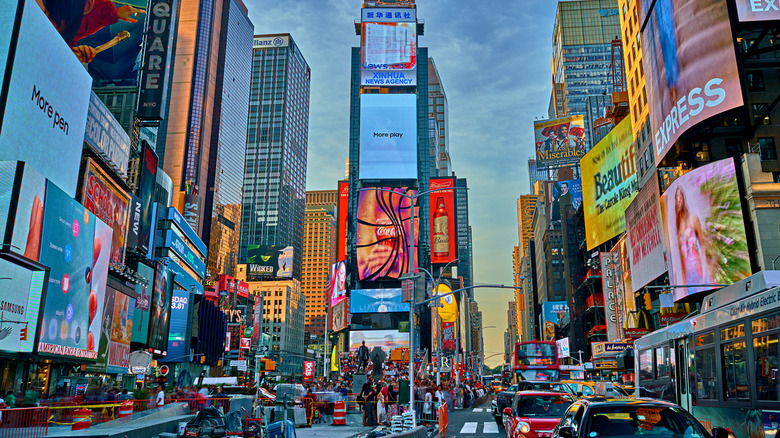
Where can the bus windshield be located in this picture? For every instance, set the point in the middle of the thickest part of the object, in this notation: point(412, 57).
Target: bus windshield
point(536, 354)
point(551, 375)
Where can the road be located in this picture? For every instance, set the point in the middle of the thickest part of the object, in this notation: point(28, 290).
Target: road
point(477, 421)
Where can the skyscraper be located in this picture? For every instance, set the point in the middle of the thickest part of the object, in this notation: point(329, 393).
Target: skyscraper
point(465, 265)
point(437, 104)
point(277, 142)
point(319, 253)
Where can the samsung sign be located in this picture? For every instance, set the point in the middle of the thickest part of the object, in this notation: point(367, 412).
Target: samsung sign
point(271, 42)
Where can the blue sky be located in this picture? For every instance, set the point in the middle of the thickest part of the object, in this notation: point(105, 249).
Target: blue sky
point(494, 60)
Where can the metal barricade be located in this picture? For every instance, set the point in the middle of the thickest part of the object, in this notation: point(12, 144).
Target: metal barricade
point(24, 422)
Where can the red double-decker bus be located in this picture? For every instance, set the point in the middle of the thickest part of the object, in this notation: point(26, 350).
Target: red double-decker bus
point(536, 360)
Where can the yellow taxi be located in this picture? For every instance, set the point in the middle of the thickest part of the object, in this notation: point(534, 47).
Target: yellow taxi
point(584, 388)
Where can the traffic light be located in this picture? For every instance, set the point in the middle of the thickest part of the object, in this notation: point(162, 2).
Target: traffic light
point(648, 301)
point(23, 334)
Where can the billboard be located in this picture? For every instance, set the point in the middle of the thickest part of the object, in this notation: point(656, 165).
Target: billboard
point(160, 309)
point(106, 136)
point(609, 184)
point(444, 237)
point(690, 65)
point(644, 236)
point(552, 312)
point(75, 246)
point(133, 222)
point(384, 339)
point(308, 370)
point(559, 141)
point(156, 64)
point(704, 229)
point(448, 336)
point(383, 233)
point(562, 193)
point(109, 203)
point(341, 220)
point(267, 261)
point(45, 114)
point(178, 338)
point(388, 41)
point(757, 10)
point(20, 304)
point(610, 276)
point(28, 221)
point(121, 333)
point(388, 136)
point(376, 301)
point(340, 315)
point(140, 328)
point(338, 282)
point(146, 181)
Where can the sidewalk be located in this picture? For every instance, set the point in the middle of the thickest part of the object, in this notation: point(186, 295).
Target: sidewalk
point(326, 430)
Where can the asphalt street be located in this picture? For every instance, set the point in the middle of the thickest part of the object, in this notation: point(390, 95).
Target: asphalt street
point(476, 421)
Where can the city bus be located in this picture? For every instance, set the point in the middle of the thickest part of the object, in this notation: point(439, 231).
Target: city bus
point(536, 360)
point(721, 365)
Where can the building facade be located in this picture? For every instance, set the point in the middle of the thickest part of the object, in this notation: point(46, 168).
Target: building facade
point(319, 253)
point(437, 104)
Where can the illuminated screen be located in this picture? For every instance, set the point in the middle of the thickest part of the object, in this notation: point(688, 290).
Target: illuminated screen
point(388, 136)
point(160, 308)
point(377, 301)
point(559, 141)
point(121, 333)
point(384, 339)
point(388, 47)
point(21, 301)
point(704, 229)
point(443, 235)
point(338, 282)
point(383, 233)
point(537, 354)
point(562, 193)
point(110, 203)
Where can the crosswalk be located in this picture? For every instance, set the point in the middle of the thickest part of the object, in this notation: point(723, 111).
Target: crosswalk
point(471, 427)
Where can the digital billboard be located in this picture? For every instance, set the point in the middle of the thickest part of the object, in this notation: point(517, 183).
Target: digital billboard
point(690, 65)
point(757, 10)
point(383, 233)
point(559, 141)
point(140, 328)
point(552, 312)
point(338, 282)
point(147, 179)
point(45, 114)
point(388, 136)
point(341, 220)
point(444, 237)
point(448, 336)
point(28, 220)
point(20, 304)
point(121, 333)
point(609, 184)
point(644, 236)
point(704, 229)
point(376, 301)
point(103, 326)
point(109, 203)
point(156, 64)
point(384, 339)
point(388, 41)
point(105, 136)
point(267, 261)
point(562, 193)
point(160, 309)
point(77, 257)
point(339, 315)
point(178, 338)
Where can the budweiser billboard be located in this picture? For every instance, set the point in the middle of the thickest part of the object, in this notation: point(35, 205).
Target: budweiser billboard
point(443, 221)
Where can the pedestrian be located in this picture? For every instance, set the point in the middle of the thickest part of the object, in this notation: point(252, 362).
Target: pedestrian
point(381, 408)
point(31, 397)
point(371, 397)
point(160, 397)
point(10, 399)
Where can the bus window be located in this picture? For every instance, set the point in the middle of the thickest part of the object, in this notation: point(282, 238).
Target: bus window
point(706, 374)
point(766, 353)
point(646, 365)
point(662, 362)
point(735, 367)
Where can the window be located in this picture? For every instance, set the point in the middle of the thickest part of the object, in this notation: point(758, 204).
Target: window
point(755, 81)
point(735, 384)
point(767, 148)
point(706, 374)
point(646, 365)
point(661, 362)
point(766, 353)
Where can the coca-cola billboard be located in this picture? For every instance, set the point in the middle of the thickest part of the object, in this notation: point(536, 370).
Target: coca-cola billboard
point(443, 221)
point(383, 222)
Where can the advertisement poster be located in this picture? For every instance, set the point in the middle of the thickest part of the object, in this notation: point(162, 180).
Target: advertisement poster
point(338, 282)
point(160, 308)
point(266, 261)
point(448, 309)
point(388, 47)
point(690, 65)
point(704, 229)
point(757, 10)
point(341, 221)
point(444, 237)
point(109, 203)
point(106, 136)
point(609, 184)
point(104, 337)
point(146, 180)
point(562, 193)
point(383, 221)
point(26, 237)
point(45, 114)
point(308, 370)
point(377, 301)
point(140, 328)
point(177, 334)
point(388, 136)
point(448, 336)
point(552, 312)
point(20, 302)
point(121, 332)
point(339, 315)
point(559, 141)
point(78, 262)
point(384, 339)
point(644, 236)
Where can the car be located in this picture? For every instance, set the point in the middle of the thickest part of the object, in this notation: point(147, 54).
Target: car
point(504, 399)
point(595, 417)
point(534, 414)
point(496, 386)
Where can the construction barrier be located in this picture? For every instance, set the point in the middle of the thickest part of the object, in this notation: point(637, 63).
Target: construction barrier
point(82, 419)
point(443, 421)
point(125, 409)
point(339, 414)
point(24, 422)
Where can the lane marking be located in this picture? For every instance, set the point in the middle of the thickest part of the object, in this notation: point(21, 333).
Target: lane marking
point(469, 427)
point(477, 409)
point(490, 427)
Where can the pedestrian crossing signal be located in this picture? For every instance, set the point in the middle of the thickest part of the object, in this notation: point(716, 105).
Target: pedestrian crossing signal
point(23, 334)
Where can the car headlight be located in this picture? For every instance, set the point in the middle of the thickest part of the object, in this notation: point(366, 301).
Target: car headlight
point(524, 427)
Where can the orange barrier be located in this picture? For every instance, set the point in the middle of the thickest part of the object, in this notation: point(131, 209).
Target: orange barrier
point(339, 414)
point(82, 419)
point(443, 422)
point(125, 409)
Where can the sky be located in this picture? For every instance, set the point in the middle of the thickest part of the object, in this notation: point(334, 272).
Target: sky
point(493, 57)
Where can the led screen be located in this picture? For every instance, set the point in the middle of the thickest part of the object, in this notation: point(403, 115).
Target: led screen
point(20, 302)
point(160, 308)
point(559, 141)
point(384, 339)
point(444, 237)
point(266, 261)
point(338, 282)
point(388, 136)
point(177, 335)
point(609, 184)
point(341, 221)
point(562, 193)
point(121, 333)
point(552, 312)
point(644, 236)
point(383, 233)
point(690, 65)
point(376, 301)
point(109, 203)
point(704, 229)
point(757, 10)
point(106, 136)
point(339, 315)
point(388, 47)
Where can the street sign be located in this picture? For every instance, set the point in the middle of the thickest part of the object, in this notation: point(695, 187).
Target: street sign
point(407, 288)
point(264, 348)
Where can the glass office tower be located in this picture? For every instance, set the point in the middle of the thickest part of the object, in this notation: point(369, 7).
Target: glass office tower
point(274, 200)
